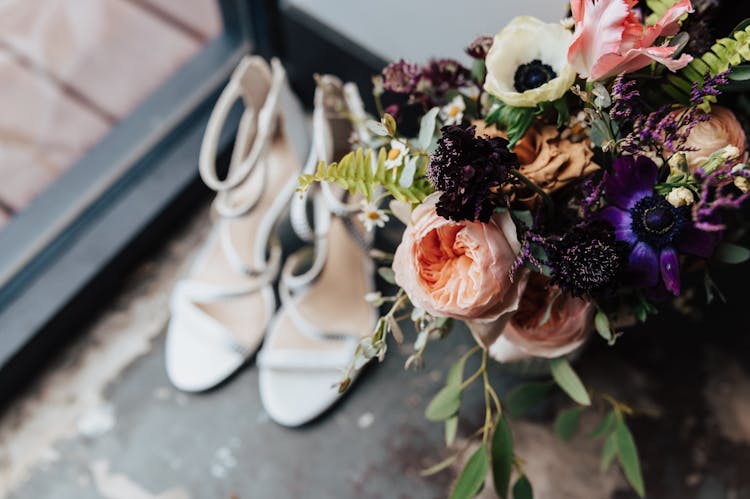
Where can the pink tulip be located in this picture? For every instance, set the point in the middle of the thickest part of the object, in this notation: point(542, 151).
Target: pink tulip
point(609, 38)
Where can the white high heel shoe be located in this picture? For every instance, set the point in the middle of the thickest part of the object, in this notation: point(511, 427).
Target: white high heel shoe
point(323, 313)
point(220, 311)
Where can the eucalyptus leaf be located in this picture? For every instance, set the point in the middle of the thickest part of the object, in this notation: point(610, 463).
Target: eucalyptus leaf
point(740, 73)
point(605, 425)
point(390, 124)
point(387, 274)
point(732, 253)
point(471, 479)
point(451, 428)
point(569, 381)
point(502, 457)
point(525, 397)
point(522, 489)
point(456, 373)
point(627, 453)
point(377, 128)
point(609, 451)
point(427, 128)
point(445, 404)
point(566, 423)
point(601, 322)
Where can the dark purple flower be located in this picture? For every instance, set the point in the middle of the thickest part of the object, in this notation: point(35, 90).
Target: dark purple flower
point(401, 77)
point(480, 46)
point(656, 231)
point(587, 260)
point(439, 76)
point(469, 171)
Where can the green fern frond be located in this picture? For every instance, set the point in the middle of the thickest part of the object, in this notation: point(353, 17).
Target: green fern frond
point(658, 8)
point(725, 53)
point(362, 172)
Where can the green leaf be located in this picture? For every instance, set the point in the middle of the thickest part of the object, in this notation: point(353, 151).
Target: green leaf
point(522, 489)
point(627, 453)
point(456, 373)
point(566, 423)
point(427, 128)
point(732, 254)
point(445, 404)
point(525, 397)
point(471, 479)
point(515, 120)
point(740, 73)
point(451, 428)
point(569, 381)
point(609, 451)
point(605, 425)
point(387, 274)
point(390, 124)
point(601, 322)
point(502, 457)
point(377, 128)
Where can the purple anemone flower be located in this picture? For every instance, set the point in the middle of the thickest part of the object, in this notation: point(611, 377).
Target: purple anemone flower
point(656, 231)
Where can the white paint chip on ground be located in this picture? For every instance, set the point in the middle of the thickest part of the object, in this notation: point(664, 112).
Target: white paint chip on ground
point(97, 421)
point(111, 485)
point(365, 420)
point(224, 461)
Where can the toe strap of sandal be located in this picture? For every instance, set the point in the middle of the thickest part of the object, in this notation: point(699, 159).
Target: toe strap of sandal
point(305, 360)
point(184, 299)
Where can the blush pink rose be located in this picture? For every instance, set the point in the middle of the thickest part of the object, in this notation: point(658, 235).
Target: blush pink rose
point(609, 38)
point(707, 137)
point(547, 324)
point(460, 269)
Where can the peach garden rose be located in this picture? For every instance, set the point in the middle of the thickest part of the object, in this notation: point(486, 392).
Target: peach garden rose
point(548, 323)
point(460, 269)
point(707, 137)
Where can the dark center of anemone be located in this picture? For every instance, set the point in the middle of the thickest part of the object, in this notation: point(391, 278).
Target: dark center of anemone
point(658, 219)
point(657, 222)
point(532, 75)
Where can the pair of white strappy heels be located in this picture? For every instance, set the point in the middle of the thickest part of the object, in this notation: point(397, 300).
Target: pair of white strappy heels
point(226, 307)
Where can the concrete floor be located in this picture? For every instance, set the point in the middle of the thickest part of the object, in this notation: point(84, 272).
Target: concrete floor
point(103, 422)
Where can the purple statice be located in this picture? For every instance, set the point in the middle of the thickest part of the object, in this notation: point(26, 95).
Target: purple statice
point(470, 172)
point(667, 129)
point(587, 260)
point(625, 100)
point(718, 193)
point(401, 77)
point(709, 87)
point(590, 193)
point(656, 232)
point(479, 48)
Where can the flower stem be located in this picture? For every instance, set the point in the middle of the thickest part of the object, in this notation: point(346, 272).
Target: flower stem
point(534, 187)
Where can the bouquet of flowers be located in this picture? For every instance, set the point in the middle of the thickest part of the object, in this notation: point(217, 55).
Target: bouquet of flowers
point(577, 178)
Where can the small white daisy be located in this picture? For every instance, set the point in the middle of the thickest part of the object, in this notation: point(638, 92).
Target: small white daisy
point(396, 155)
point(453, 112)
point(372, 216)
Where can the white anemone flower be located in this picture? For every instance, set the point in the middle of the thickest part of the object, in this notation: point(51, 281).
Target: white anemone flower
point(453, 112)
point(528, 63)
point(396, 154)
point(372, 216)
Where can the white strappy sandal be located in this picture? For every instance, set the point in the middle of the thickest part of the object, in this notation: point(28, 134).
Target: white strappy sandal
point(323, 313)
point(221, 310)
